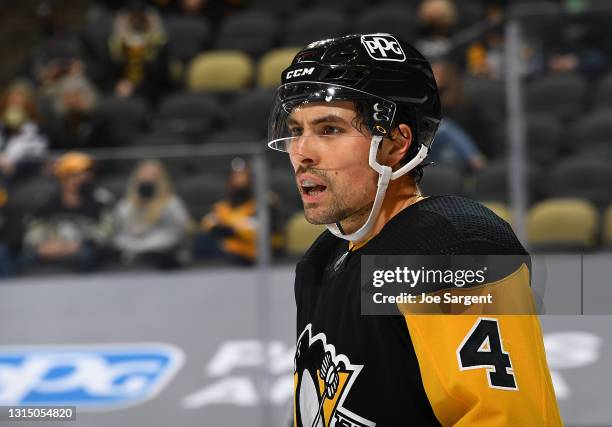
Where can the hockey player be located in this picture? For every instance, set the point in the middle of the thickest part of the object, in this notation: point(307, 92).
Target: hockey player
point(357, 116)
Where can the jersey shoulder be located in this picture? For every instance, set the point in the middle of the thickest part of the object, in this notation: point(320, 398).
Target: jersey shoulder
point(452, 225)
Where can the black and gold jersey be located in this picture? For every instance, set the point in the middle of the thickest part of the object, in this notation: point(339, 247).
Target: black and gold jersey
point(417, 369)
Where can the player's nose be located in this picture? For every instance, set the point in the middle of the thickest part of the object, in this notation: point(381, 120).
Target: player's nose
point(303, 152)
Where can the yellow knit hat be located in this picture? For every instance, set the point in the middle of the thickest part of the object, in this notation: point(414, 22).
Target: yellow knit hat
point(71, 163)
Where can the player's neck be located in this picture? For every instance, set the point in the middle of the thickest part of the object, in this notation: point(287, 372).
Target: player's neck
point(400, 194)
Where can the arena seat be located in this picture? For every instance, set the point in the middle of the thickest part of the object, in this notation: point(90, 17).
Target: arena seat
point(253, 32)
point(439, 180)
point(592, 131)
point(603, 92)
point(313, 25)
point(232, 135)
point(469, 13)
point(301, 234)
point(489, 95)
point(561, 225)
point(390, 18)
point(279, 8)
point(346, 6)
point(122, 119)
point(200, 192)
point(97, 29)
point(187, 36)
point(251, 111)
point(116, 184)
point(491, 182)
point(587, 178)
point(30, 194)
point(189, 115)
point(272, 64)
point(220, 70)
point(544, 133)
point(153, 139)
point(560, 94)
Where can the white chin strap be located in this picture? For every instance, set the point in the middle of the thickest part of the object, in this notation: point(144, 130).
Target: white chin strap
point(386, 174)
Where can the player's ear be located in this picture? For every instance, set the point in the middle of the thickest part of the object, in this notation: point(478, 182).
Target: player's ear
point(395, 148)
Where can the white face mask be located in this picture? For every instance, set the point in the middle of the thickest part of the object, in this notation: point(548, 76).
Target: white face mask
point(14, 117)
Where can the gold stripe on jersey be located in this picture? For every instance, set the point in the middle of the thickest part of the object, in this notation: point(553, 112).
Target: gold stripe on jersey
point(463, 398)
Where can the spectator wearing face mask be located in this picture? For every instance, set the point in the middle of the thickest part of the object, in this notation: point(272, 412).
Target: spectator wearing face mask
point(229, 232)
point(72, 229)
point(152, 223)
point(20, 139)
point(438, 20)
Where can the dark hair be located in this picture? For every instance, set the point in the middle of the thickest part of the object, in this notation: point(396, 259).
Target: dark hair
point(406, 117)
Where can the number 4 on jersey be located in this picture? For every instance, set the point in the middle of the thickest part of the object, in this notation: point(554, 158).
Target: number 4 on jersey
point(483, 348)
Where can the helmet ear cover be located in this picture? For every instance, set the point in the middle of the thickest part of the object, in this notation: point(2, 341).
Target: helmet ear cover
point(406, 117)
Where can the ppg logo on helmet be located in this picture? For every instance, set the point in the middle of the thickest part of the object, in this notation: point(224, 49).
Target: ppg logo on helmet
point(383, 47)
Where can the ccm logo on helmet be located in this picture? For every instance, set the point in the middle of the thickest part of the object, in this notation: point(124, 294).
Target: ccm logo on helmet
point(383, 47)
point(299, 72)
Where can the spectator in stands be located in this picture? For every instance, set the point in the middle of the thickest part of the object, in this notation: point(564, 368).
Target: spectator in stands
point(229, 232)
point(581, 45)
point(139, 50)
point(152, 222)
point(72, 123)
point(438, 20)
point(196, 7)
point(454, 147)
point(463, 112)
point(20, 139)
point(484, 57)
point(58, 55)
point(73, 227)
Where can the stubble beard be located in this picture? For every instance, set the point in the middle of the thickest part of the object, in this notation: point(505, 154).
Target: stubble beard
point(337, 210)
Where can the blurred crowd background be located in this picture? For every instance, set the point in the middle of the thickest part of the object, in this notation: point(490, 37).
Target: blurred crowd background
point(123, 124)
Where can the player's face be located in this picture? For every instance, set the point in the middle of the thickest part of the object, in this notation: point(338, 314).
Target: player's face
point(330, 159)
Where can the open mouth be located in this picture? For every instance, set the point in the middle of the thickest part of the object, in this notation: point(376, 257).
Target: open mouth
point(311, 188)
point(313, 191)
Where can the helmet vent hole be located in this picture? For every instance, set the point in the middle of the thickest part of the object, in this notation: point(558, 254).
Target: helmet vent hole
point(335, 74)
point(347, 54)
point(307, 56)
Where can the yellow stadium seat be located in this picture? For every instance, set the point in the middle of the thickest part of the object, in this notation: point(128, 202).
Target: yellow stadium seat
point(607, 227)
point(562, 224)
point(220, 70)
point(301, 234)
point(500, 209)
point(272, 64)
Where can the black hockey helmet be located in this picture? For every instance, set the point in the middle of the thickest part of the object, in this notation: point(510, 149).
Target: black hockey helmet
point(388, 79)
point(389, 82)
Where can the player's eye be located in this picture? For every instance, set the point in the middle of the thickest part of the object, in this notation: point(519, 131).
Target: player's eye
point(331, 130)
point(296, 131)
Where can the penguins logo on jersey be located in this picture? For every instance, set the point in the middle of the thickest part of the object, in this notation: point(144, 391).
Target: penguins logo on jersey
point(322, 381)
